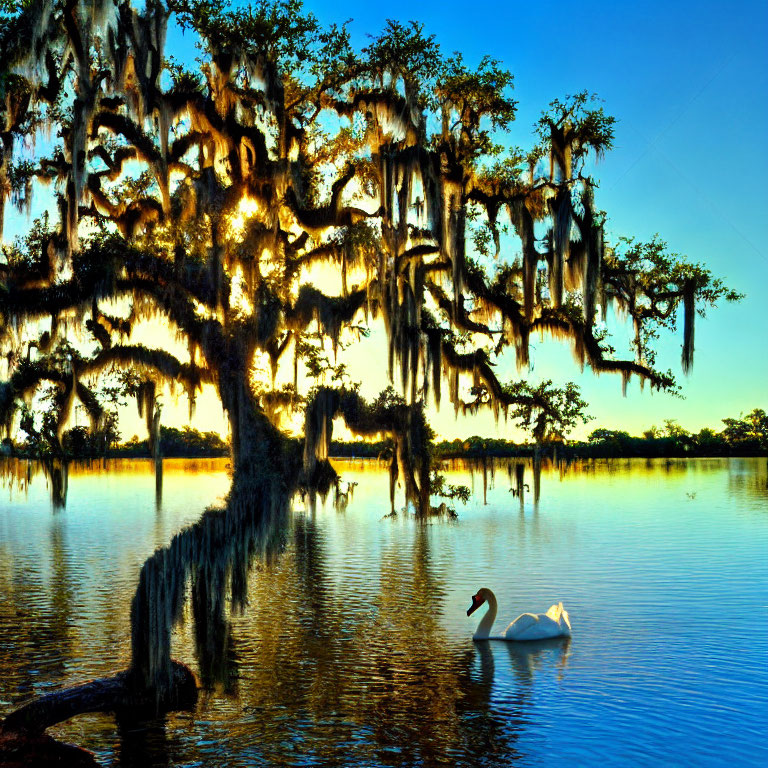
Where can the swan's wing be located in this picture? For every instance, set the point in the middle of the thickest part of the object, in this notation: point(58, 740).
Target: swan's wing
point(521, 626)
point(558, 614)
point(538, 626)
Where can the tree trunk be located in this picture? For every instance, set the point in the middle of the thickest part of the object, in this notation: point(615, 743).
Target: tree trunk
point(259, 450)
point(24, 743)
point(416, 491)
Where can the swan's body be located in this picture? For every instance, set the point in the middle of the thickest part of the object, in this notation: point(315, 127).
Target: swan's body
point(527, 626)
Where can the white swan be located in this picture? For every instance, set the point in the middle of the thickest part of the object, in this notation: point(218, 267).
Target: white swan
point(527, 626)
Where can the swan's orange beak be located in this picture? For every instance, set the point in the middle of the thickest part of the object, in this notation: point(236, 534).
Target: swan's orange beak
point(477, 601)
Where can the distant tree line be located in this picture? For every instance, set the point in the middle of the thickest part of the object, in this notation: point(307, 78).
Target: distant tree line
point(83, 443)
point(186, 442)
point(743, 436)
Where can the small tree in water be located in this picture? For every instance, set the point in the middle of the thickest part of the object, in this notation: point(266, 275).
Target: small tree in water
point(210, 198)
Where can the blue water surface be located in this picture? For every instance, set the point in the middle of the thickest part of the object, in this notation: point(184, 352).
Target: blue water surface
point(354, 647)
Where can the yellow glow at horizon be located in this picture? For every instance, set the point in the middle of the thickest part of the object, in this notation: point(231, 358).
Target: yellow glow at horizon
point(365, 361)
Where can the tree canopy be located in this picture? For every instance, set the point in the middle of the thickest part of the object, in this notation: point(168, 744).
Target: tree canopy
point(213, 197)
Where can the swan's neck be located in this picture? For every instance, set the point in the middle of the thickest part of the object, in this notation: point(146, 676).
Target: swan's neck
point(486, 623)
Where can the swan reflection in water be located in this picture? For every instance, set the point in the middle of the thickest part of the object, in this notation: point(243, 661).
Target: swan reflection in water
point(508, 674)
point(526, 660)
point(537, 655)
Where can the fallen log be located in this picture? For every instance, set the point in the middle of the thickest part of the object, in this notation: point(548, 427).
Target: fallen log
point(118, 694)
point(22, 737)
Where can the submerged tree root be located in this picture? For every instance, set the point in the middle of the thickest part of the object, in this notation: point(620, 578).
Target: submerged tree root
point(22, 738)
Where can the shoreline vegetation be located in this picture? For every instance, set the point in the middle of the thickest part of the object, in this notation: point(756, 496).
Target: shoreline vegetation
point(745, 436)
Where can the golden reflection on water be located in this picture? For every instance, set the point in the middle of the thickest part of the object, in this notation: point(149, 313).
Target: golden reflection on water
point(375, 671)
point(17, 474)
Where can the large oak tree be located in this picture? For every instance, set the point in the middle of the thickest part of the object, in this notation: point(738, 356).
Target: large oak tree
point(210, 195)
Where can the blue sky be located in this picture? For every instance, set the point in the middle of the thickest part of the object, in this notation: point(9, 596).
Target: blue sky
point(688, 83)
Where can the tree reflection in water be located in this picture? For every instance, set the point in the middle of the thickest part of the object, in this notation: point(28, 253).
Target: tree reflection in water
point(41, 645)
point(215, 554)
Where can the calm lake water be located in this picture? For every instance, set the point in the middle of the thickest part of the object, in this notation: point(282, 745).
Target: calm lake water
point(354, 647)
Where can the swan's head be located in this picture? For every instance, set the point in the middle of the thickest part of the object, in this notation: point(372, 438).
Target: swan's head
point(477, 600)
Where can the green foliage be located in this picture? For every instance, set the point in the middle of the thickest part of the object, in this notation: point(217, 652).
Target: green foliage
point(549, 412)
point(83, 442)
point(41, 440)
point(276, 31)
point(10, 12)
point(401, 51)
point(577, 121)
point(479, 93)
point(29, 251)
point(645, 279)
point(748, 431)
point(603, 435)
point(674, 431)
point(441, 488)
point(469, 97)
point(658, 271)
point(319, 365)
point(506, 173)
point(747, 435)
point(189, 442)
